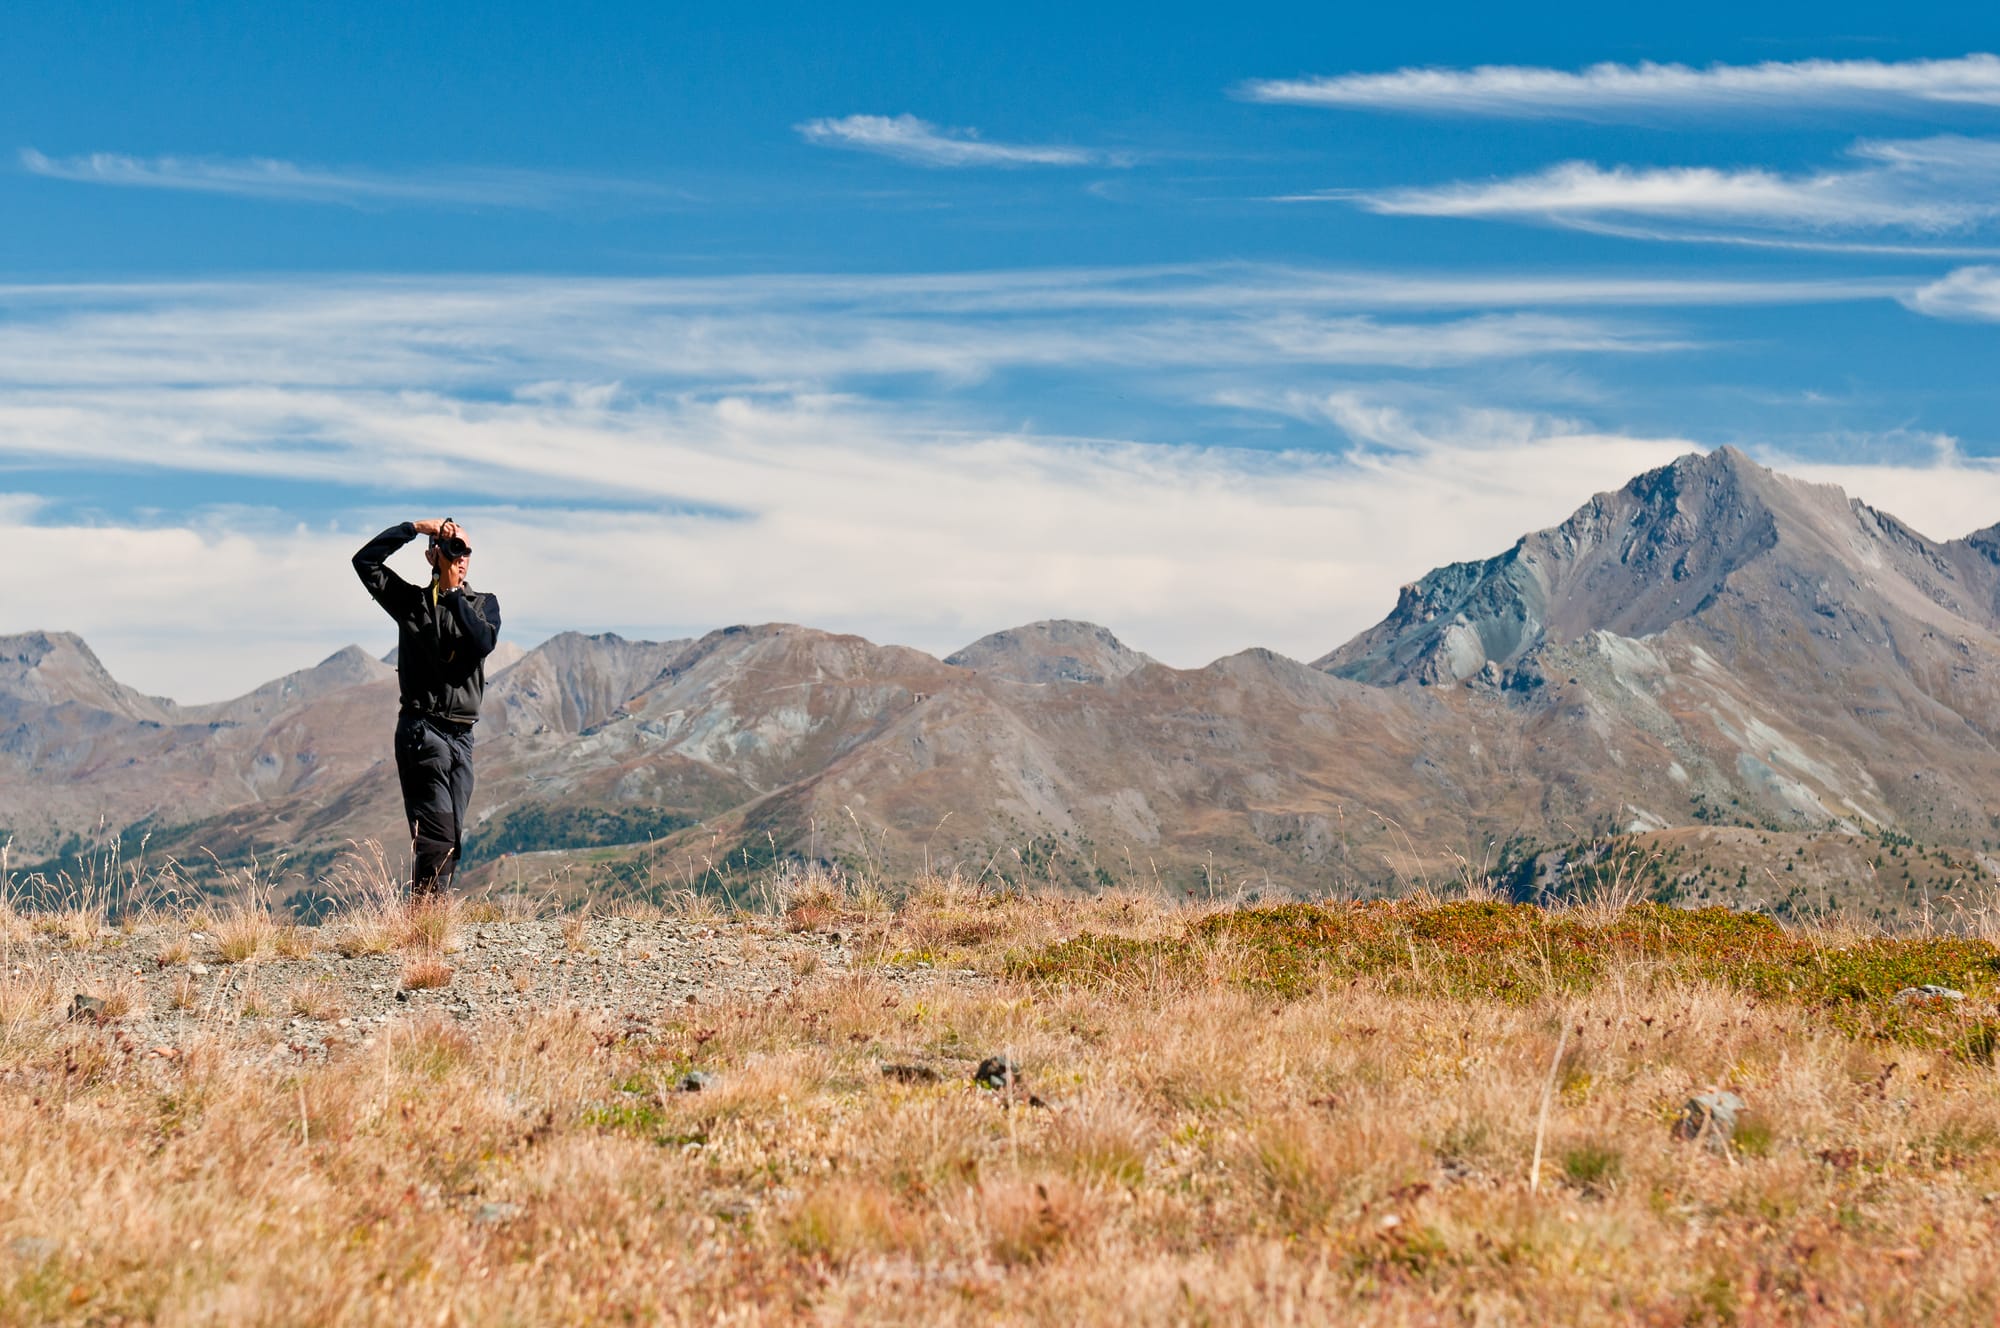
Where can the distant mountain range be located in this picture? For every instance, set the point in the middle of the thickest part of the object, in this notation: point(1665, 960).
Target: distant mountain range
point(1714, 644)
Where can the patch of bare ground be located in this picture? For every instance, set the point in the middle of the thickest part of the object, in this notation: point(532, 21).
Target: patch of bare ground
point(687, 1119)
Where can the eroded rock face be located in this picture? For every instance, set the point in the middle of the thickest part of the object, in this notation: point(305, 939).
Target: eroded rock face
point(1632, 562)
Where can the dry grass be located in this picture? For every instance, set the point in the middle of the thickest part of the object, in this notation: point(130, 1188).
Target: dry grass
point(429, 926)
point(120, 1000)
point(423, 972)
point(243, 931)
point(294, 942)
point(313, 1000)
point(1343, 1136)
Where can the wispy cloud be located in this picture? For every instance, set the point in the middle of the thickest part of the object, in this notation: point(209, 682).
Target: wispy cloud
point(850, 523)
point(1971, 293)
point(285, 181)
point(812, 448)
point(907, 138)
point(1931, 186)
point(846, 518)
point(1609, 90)
point(832, 334)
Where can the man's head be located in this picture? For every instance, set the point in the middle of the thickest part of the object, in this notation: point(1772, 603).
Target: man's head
point(450, 555)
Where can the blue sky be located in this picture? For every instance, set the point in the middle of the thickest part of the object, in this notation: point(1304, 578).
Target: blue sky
point(1214, 327)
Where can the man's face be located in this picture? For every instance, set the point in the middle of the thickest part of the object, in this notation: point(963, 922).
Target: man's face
point(451, 559)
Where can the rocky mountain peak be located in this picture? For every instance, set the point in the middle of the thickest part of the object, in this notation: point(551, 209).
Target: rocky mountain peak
point(1056, 650)
point(1631, 562)
point(54, 668)
point(573, 681)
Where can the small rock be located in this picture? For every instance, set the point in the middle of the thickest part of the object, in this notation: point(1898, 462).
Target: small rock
point(87, 1007)
point(1710, 1117)
point(493, 1214)
point(1930, 991)
point(696, 1080)
point(997, 1072)
point(199, 970)
point(402, 993)
point(31, 1249)
point(911, 1074)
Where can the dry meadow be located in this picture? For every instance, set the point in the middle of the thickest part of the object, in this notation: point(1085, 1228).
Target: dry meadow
point(1428, 1111)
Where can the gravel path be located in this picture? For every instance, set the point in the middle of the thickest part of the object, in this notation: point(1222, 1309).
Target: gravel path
point(174, 987)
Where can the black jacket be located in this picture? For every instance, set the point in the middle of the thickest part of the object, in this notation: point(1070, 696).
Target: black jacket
point(441, 648)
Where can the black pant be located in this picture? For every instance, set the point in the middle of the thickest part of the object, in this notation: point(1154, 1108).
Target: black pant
point(434, 763)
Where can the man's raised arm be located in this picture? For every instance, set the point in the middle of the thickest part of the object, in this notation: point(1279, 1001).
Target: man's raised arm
point(371, 565)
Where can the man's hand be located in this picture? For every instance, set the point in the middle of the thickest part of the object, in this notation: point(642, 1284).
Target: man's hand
point(435, 529)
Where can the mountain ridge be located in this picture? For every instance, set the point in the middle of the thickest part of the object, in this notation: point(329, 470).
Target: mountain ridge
point(1712, 643)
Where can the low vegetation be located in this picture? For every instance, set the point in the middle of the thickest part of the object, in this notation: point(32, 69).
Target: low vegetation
point(1412, 1112)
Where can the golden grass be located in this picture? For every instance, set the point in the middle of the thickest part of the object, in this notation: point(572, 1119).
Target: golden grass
point(242, 931)
point(313, 999)
point(1349, 1144)
point(424, 972)
point(292, 942)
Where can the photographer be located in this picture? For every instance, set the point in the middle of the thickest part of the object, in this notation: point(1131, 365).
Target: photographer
point(444, 632)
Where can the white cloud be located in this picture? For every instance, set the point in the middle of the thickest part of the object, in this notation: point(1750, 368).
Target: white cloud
point(1926, 186)
point(733, 446)
point(1608, 90)
point(1187, 553)
point(285, 181)
point(1968, 293)
point(451, 335)
point(907, 138)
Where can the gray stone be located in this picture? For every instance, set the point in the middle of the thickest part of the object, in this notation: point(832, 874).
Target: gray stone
point(1711, 1118)
point(696, 1080)
point(493, 1214)
point(87, 1007)
point(31, 1249)
point(1930, 991)
point(997, 1072)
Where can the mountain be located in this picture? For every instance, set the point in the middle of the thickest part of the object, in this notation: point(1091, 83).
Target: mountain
point(1770, 645)
point(1698, 537)
point(1056, 651)
point(1714, 644)
point(48, 670)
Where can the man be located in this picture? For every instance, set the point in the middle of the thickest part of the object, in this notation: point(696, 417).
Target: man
point(444, 632)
